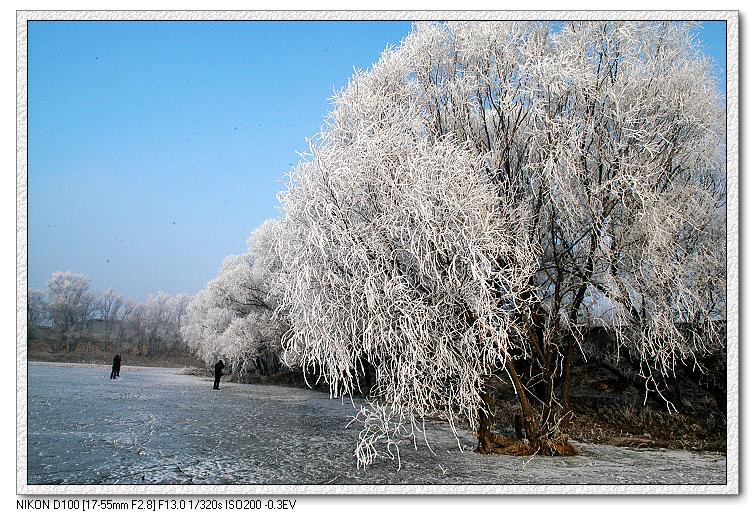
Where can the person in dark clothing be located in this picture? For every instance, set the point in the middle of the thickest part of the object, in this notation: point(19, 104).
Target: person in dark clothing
point(116, 371)
point(219, 366)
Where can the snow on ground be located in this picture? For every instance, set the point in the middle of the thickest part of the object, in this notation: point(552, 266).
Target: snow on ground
point(157, 426)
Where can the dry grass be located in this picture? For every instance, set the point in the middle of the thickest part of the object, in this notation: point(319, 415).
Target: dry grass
point(624, 425)
point(515, 447)
point(642, 427)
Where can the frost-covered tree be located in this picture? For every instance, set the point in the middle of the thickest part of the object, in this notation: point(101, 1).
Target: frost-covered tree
point(486, 193)
point(71, 303)
point(131, 328)
point(234, 316)
point(108, 304)
point(155, 324)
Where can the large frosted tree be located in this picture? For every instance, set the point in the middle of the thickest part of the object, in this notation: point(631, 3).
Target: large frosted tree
point(485, 194)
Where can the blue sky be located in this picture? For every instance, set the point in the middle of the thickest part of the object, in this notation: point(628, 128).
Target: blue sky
point(156, 147)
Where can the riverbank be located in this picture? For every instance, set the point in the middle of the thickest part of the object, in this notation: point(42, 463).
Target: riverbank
point(98, 357)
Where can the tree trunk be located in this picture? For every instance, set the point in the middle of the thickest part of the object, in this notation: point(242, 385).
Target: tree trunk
point(518, 427)
point(549, 415)
point(368, 383)
point(485, 429)
point(528, 416)
point(566, 385)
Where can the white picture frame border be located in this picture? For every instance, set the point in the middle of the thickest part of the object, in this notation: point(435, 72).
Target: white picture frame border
point(732, 159)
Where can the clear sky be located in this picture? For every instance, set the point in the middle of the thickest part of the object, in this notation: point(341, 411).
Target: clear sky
point(156, 147)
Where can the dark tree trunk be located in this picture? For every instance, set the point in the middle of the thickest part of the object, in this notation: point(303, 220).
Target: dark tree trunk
point(368, 382)
point(566, 385)
point(528, 416)
point(485, 439)
point(518, 426)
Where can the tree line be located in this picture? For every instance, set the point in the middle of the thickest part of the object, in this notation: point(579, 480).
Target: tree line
point(72, 313)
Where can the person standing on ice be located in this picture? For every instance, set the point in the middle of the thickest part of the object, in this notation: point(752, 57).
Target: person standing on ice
point(219, 366)
point(116, 371)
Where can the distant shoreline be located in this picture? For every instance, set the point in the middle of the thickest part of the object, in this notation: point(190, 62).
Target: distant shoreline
point(93, 365)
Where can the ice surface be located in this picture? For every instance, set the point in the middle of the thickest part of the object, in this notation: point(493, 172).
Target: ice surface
point(157, 426)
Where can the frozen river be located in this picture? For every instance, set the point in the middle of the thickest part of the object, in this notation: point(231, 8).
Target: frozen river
point(157, 426)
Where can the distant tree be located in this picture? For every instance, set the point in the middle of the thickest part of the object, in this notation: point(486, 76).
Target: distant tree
point(156, 323)
point(108, 305)
point(38, 309)
point(177, 312)
point(71, 304)
point(156, 316)
point(125, 315)
point(488, 191)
